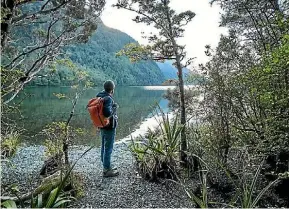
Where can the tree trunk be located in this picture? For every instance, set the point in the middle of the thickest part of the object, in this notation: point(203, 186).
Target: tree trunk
point(65, 143)
point(65, 151)
point(183, 147)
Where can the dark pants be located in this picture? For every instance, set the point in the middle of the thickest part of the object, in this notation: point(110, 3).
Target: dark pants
point(107, 141)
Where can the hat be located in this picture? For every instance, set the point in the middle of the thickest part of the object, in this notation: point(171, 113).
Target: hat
point(108, 85)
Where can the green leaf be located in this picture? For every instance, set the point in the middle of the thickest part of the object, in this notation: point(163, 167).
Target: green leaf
point(9, 204)
point(262, 193)
point(39, 201)
point(68, 173)
point(61, 203)
point(52, 197)
point(195, 199)
point(159, 151)
point(59, 95)
point(254, 181)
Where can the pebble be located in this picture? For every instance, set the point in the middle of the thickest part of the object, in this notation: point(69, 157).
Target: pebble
point(126, 190)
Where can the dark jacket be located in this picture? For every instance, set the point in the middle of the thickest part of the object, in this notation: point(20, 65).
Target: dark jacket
point(109, 109)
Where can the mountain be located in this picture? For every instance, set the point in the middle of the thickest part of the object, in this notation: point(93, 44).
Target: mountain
point(169, 71)
point(97, 57)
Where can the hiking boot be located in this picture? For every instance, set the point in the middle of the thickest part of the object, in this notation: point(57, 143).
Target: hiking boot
point(110, 173)
point(114, 168)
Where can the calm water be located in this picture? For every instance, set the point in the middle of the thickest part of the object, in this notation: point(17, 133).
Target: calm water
point(41, 107)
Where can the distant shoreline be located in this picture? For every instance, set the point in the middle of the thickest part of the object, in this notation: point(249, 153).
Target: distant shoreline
point(101, 85)
point(34, 86)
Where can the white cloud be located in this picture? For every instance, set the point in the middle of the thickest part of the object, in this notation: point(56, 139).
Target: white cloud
point(204, 28)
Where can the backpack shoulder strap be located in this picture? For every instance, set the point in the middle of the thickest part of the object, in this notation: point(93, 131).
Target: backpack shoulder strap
point(108, 96)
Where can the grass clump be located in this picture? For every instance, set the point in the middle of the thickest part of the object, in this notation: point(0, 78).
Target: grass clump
point(157, 154)
point(10, 141)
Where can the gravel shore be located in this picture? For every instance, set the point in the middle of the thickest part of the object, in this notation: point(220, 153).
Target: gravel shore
point(126, 190)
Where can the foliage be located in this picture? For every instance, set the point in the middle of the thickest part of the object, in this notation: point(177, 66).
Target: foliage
point(272, 99)
point(246, 90)
point(246, 191)
point(77, 185)
point(192, 97)
point(97, 58)
point(169, 24)
point(34, 33)
point(60, 202)
point(135, 52)
point(55, 133)
point(260, 23)
point(250, 107)
point(246, 194)
point(56, 197)
point(244, 99)
point(163, 45)
point(9, 204)
point(9, 143)
point(157, 154)
point(201, 201)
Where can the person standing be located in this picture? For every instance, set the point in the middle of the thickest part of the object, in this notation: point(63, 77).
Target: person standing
point(108, 132)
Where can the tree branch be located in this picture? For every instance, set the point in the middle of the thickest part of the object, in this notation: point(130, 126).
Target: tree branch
point(40, 12)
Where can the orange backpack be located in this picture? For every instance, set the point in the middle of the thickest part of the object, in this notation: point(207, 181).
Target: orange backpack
point(95, 109)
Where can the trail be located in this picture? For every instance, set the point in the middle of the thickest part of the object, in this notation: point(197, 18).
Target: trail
point(126, 190)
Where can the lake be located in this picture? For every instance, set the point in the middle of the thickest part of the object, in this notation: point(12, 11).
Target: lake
point(40, 107)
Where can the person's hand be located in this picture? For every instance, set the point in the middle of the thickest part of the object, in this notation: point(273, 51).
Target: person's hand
point(115, 105)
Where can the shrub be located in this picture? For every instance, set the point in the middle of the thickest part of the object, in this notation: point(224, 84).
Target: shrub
point(9, 143)
point(246, 192)
point(157, 154)
point(51, 195)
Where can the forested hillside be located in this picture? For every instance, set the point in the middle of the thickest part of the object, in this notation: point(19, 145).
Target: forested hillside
point(221, 143)
point(97, 57)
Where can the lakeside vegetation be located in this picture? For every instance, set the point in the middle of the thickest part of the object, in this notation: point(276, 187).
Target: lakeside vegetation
point(238, 142)
point(227, 144)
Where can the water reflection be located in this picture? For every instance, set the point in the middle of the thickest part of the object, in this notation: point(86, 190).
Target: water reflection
point(42, 108)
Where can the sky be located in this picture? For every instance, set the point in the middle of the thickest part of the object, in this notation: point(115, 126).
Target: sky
point(202, 30)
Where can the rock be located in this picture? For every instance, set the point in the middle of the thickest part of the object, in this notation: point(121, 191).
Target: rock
point(126, 190)
point(51, 165)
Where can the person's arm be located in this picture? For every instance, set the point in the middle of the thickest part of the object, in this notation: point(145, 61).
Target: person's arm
point(107, 107)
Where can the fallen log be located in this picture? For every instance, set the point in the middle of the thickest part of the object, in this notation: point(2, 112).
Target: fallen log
point(47, 185)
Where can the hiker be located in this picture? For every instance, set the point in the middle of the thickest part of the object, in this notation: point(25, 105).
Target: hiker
point(108, 132)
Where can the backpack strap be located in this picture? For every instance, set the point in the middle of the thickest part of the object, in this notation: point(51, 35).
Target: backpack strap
point(107, 97)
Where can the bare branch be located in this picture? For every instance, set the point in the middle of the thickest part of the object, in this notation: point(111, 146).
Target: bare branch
point(37, 48)
point(40, 12)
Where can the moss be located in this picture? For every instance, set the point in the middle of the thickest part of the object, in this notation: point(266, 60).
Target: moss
point(76, 185)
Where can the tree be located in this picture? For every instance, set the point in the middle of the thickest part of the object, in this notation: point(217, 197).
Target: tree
point(60, 133)
point(246, 93)
point(259, 22)
point(33, 34)
point(163, 46)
